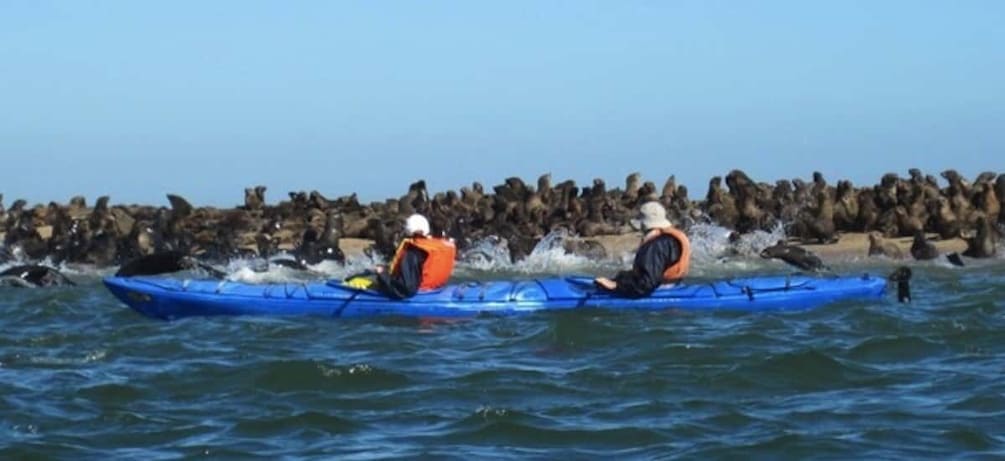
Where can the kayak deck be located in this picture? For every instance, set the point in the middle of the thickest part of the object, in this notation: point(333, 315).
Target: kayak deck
point(168, 298)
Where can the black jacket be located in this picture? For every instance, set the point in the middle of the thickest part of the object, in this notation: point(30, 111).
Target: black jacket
point(652, 258)
point(406, 282)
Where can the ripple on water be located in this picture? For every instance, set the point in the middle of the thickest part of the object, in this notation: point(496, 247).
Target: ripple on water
point(280, 376)
point(113, 394)
point(801, 371)
point(83, 377)
point(982, 403)
point(897, 349)
point(322, 424)
point(489, 426)
point(786, 444)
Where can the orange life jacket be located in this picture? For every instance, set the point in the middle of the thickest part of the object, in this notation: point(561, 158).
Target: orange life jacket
point(676, 271)
point(440, 255)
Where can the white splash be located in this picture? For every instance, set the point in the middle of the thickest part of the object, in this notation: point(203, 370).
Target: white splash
point(711, 243)
point(550, 256)
point(257, 270)
point(486, 254)
point(492, 254)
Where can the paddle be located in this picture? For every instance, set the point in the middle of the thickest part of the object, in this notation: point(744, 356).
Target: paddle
point(217, 273)
point(584, 282)
point(364, 273)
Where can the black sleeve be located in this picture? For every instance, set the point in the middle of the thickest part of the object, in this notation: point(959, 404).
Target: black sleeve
point(405, 283)
point(647, 272)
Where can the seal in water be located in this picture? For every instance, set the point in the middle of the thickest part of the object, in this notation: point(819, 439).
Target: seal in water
point(32, 275)
point(794, 255)
point(164, 262)
point(922, 249)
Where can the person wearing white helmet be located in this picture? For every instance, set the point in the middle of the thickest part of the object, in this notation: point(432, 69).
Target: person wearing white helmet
point(421, 262)
point(663, 257)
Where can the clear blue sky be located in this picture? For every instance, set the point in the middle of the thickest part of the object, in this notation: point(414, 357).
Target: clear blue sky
point(135, 99)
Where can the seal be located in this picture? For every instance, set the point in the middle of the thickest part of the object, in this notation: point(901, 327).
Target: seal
point(819, 183)
point(868, 211)
point(908, 222)
point(416, 200)
point(590, 249)
point(984, 243)
point(886, 191)
point(594, 223)
point(254, 198)
point(23, 234)
point(319, 201)
point(633, 182)
point(32, 276)
point(985, 176)
point(647, 193)
point(1000, 192)
point(719, 205)
point(821, 225)
point(944, 220)
point(794, 255)
point(921, 248)
point(180, 208)
point(669, 189)
point(164, 262)
point(784, 198)
point(282, 261)
point(986, 199)
point(314, 248)
point(958, 193)
point(544, 187)
point(879, 246)
point(845, 207)
point(744, 191)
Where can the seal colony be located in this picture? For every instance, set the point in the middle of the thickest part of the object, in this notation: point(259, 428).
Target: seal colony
point(309, 228)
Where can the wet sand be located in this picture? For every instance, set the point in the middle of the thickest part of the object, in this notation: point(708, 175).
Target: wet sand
point(857, 244)
point(849, 245)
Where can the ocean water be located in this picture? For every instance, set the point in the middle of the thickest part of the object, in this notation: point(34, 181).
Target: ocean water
point(84, 377)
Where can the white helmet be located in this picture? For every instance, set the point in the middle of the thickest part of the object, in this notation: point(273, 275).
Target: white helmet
point(417, 224)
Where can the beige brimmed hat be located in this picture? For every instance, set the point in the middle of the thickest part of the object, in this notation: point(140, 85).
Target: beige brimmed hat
point(652, 215)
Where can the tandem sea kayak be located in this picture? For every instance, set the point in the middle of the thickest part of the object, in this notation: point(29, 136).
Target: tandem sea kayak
point(168, 298)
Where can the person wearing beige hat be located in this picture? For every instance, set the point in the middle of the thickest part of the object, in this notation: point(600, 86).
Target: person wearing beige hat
point(663, 257)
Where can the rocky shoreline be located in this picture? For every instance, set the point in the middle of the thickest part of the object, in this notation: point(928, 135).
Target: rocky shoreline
point(830, 219)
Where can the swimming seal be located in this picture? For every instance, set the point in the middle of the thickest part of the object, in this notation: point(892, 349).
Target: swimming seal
point(33, 275)
point(164, 262)
point(794, 255)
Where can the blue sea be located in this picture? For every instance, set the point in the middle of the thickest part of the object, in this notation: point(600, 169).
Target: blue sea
point(84, 377)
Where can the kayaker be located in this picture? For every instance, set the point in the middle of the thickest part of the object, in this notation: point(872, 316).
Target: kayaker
point(422, 262)
point(663, 257)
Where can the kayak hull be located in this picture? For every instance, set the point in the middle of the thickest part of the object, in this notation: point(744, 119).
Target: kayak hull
point(168, 298)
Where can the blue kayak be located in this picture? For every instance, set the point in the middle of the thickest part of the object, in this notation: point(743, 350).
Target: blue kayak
point(168, 298)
